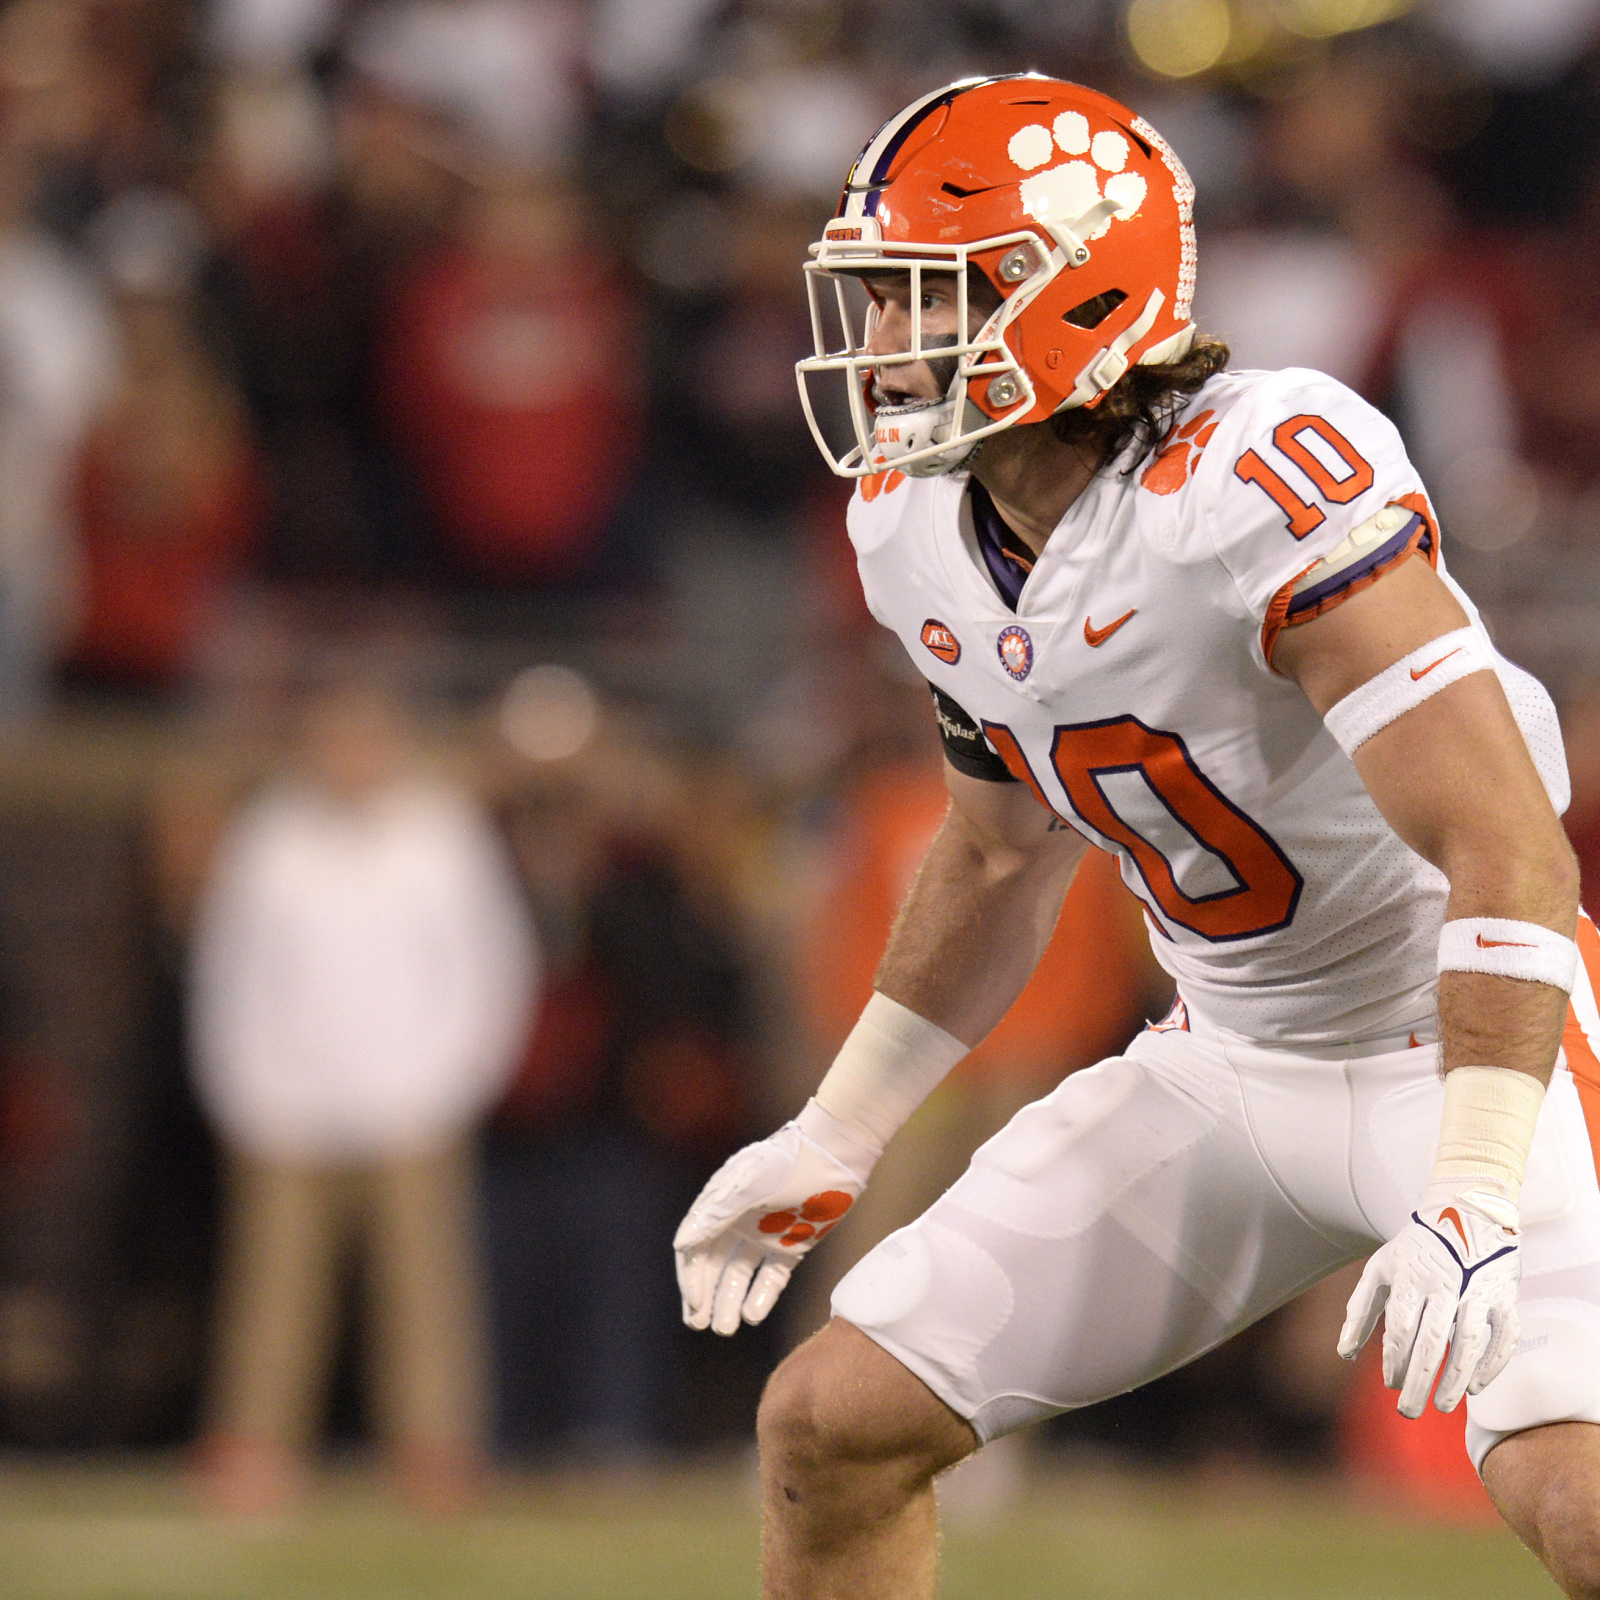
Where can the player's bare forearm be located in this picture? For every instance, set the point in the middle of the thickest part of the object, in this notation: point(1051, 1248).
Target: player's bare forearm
point(1459, 788)
point(1454, 779)
point(982, 908)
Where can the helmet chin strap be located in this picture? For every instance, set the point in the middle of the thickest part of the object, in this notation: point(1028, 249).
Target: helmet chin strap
point(1106, 366)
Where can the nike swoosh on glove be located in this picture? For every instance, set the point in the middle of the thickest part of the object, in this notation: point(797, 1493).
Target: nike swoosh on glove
point(1449, 1277)
point(764, 1209)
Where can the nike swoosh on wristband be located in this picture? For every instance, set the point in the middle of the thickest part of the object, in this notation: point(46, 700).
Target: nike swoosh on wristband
point(1097, 636)
point(1503, 944)
point(1440, 662)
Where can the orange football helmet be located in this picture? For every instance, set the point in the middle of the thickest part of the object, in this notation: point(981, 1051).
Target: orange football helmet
point(1074, 209)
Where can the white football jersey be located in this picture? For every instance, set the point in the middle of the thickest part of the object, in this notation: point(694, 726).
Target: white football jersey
point(1131, 689)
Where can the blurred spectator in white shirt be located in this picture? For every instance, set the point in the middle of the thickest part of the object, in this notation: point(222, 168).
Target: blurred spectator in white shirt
point(504, 73)
point(58, 375)
point(363, 972)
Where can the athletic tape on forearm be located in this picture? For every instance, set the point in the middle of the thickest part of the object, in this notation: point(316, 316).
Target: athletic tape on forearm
point(1508, 949)
point(1404, 686)
point(1486, 1130)
point(892, 1061)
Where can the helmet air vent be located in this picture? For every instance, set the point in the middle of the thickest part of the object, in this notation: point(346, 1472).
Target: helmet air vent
point(1143, 144)
point(1091, 313)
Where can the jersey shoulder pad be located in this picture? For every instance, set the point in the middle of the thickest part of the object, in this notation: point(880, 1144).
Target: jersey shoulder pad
point(1305, 492)
point(889, 521)
point(880, 506)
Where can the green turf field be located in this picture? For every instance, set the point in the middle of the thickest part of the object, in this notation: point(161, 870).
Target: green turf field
point(119, 1532)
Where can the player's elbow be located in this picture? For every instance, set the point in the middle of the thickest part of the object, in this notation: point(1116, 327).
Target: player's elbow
point(1551, 872)
point(1531, 873)
point(1568, 877)
point(999, 857)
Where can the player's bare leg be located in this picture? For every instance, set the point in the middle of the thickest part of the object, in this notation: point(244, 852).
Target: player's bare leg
point(1546, 1484)
point(850, 1444)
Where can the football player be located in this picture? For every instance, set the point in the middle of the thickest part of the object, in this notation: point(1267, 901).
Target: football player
point(1200, 619)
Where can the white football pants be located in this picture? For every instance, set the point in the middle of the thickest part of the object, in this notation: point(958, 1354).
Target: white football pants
point(1157, 1203)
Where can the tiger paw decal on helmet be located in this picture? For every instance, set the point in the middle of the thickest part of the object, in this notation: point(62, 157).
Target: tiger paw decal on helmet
point(1063, 193)
point(1076, 212)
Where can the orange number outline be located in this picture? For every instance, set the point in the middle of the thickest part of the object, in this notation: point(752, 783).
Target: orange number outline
point(1303, 518)
point(1341, 491)
point(1267, 887)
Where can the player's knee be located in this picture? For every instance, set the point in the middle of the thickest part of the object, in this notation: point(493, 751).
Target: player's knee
point(801, 1421)
point(840, 1401)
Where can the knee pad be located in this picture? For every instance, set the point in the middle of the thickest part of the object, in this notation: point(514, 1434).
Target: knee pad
point(1553, 1377)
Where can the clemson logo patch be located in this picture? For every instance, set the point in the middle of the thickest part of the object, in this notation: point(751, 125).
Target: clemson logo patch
point(1016, 652)
point(1177, 462)
point(1064, 192)
point(880, 483)
point(941, 641)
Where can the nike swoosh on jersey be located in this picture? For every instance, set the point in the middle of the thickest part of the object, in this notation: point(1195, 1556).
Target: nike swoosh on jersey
point(1098, 636)
point(1503, 944)
point(1432, 664)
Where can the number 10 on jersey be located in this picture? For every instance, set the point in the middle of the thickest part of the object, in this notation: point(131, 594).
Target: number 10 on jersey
point(1290, 438)
point(1266, 887)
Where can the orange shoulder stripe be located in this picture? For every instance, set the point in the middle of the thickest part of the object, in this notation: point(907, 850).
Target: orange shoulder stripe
point(1581, 1060)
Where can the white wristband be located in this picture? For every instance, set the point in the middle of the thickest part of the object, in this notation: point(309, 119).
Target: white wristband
point(1485, 1131)
point(1508, 949)
point(892, 1061)
point(1404, 686)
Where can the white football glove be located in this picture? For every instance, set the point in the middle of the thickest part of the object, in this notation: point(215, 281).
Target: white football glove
point(765, 1208)
point(1449, 1277)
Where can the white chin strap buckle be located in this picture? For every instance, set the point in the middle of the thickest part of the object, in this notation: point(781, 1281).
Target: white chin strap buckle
point(1105, 367)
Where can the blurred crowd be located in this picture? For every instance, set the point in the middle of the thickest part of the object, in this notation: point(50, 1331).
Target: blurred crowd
point(453, 792)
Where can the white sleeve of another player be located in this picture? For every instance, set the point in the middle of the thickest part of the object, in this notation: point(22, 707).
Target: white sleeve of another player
point(1307, 496)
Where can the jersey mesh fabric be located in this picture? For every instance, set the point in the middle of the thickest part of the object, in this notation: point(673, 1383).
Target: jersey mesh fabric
point(1536, 716)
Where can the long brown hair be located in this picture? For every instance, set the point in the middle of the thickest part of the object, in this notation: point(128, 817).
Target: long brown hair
point(1140, 408)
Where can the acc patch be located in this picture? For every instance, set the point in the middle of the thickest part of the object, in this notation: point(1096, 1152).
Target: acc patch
point(941, 641)
point(1016, 652)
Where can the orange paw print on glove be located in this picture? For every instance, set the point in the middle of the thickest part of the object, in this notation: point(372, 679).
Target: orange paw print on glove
point(798, 1226)
point(1176, 464)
